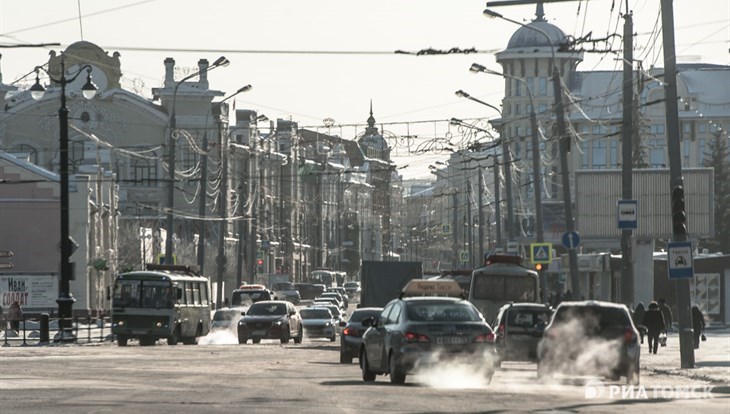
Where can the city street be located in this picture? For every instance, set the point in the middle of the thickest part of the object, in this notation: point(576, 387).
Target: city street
point(218, 376)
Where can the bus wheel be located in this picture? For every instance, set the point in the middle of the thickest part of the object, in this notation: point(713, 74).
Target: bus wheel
point(172, 339)
point(121, 340)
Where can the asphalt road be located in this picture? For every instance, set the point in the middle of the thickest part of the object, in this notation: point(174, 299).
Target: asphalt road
point(293, 378)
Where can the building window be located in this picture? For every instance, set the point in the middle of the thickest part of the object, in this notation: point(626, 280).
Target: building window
point(701, 152)
point(599, 154)
point(188, 157)
point(703, 128)
point(517, 109)
point(686, 148)
point(543, 90)
point(585, 154)
point(657, 153)
point(507, 86)
point(657, 129)
point(542, 108)
point(530, 86)
point(614, 153)
point(144, 173)
point(517, 87)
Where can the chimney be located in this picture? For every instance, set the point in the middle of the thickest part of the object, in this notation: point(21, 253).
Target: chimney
point(169, 72)
point(203, 70)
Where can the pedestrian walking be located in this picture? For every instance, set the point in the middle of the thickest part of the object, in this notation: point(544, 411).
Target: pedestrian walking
point(15, 313)
point(655, 326)
point(638, 317)
point(698, 324)
point(666, 313)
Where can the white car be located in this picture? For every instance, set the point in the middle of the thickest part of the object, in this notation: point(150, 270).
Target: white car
point(318, 322)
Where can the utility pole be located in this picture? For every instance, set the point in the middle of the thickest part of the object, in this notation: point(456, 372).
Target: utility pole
point(481, 218)
point(627, 268)
point(507, 165)
point(679, 216)
point(455, 229)
point(222, 207)
point(468, 233)
point(497, 202)
point(202, 202)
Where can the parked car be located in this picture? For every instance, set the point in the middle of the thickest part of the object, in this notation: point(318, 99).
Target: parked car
point(286, 291)
point(599, 336)
point(518, 329)
point(412, 332)
point(271, 319)
point(225, 318)
point(318, 322)
point(352, 331)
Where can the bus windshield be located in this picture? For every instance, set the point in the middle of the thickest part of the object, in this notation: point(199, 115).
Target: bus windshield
point(143, 294)
point(504, 287)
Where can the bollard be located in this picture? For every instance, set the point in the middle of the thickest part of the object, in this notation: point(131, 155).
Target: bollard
point(88, 328)
point(5, 332)
point(45, 318)
point(24, 342)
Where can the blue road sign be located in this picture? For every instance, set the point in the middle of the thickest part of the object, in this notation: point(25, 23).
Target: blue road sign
point(571, 239)
point(679, 260)
point(628, 211)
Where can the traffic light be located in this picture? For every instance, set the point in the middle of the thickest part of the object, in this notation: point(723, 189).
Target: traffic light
point(538, 267)
point(679, 215)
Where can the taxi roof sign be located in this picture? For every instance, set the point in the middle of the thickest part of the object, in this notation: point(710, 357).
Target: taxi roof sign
point(252, 287)
point(448, 287)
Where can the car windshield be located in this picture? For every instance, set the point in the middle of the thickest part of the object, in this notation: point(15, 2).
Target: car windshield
point(442, 312)
point(242, 297)
point(284, 286)
point(358, 316)
point(351, 284)
point(267, 309)
point(527, 318)
point(315, 314)
point(602, 316)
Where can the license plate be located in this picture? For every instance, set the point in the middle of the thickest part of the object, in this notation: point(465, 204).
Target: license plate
point(451, 340)
point(259, 333)
point(139, 331)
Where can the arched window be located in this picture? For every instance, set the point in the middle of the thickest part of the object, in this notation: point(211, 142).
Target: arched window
point(144, 172)
point(26, 152)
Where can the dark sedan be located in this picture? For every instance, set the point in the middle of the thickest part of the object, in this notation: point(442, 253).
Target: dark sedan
point(351, 336)
point(414, 332)
point(272, 319)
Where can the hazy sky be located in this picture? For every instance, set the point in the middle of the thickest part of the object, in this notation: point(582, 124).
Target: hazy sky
point(309, 87)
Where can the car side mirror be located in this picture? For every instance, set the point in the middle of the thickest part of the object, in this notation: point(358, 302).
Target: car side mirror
point(243, 313)
point(343, 324)
point(292, 313)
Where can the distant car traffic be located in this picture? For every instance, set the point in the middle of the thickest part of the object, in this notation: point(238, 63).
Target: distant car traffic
point(590, 338)
point(344, 303)
point(351, 335)
point(248, 294)
point(286, 291)
point(328, 300)
point(318, 322)
point(518, 329)
point(419, 331)
point(337, 313)
point(307, 291)
point(273, 319)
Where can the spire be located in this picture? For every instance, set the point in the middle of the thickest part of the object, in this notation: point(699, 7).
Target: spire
point(371, 120)
point(539, 13)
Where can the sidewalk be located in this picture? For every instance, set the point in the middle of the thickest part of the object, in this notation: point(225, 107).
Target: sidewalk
point(712, 359)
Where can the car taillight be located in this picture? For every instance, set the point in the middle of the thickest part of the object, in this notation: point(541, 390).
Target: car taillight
point(351, 332)
point(500, 329)
point(415, 337)
point(629, 335)
point(488, 337)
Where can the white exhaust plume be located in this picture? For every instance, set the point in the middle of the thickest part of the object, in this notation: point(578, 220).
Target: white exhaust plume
point(444, 371)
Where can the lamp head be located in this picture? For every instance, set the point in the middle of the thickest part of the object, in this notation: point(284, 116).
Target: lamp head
point(245, 89)
point(461, 94)
point(221, 61)
point(492, 14)
point(89, 89)
point(476, 68)
point(37, 90)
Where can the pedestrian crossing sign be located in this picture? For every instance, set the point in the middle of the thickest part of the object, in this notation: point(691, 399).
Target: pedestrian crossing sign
point(541, 253)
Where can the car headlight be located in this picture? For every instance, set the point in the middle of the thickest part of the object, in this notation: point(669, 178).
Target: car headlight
point(278, 323)
point(159, 324)
point(327, 323)
point(120, 323)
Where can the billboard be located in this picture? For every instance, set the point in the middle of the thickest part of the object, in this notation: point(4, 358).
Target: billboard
point(32, 291)
point(597, 193)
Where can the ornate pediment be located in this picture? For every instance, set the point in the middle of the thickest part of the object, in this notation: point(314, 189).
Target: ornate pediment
point(81, 53)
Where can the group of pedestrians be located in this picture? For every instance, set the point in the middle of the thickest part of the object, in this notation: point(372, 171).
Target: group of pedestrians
point(656, 321)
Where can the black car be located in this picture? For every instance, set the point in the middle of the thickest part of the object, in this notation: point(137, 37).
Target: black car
point(248, 294)
point(590, 338)
point(352, 331)
point(414, 332)
point(271, 319)
point(519, 327)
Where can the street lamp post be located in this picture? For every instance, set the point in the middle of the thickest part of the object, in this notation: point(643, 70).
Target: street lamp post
point(65, 299)
point(221, 61)
point(204, 179)
point(564, 148)
point(475, 67)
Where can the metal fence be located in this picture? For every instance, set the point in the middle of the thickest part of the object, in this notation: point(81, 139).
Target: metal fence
point(45, 330)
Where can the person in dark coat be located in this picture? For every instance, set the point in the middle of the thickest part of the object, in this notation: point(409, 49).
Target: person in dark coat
point(15, 314)
point(654, 322)
point(698, 324)
point(667, 313)
point(638, 317)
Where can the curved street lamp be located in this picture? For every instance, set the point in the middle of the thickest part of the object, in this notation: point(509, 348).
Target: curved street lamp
point(221, 61)
point(65, 298)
